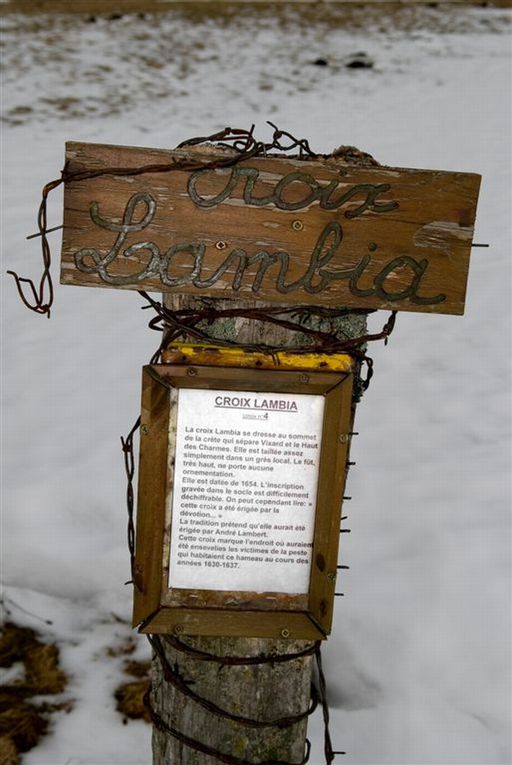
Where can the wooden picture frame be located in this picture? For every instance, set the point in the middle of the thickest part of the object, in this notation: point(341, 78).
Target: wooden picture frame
point(161, 608)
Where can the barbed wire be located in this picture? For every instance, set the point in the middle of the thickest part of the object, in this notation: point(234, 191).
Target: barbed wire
point(182, 324)
point(40, 298)
point(243, 145)
point(172, 676)
point(231, 661)
point(198, 746)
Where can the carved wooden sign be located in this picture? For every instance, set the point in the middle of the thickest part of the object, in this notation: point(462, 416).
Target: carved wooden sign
point(273, 229)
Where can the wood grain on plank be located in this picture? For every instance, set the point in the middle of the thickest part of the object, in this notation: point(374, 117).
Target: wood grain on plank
point(270, 229)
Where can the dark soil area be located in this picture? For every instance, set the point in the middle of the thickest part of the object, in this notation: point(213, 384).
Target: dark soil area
point(22, 719)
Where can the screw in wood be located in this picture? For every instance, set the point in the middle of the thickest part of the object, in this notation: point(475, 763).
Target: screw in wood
point(304, 378)
point(144, 430)
point(178, 629)
point(298, 225)
point(331, 576)
point(221, 245)
point(285, 633)
point(191, 371)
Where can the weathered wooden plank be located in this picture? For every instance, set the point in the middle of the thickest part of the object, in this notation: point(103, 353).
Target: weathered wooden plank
point(221, 622)
point(211, 355)
point(270, 229)
point(338, 418)
point(152, 490)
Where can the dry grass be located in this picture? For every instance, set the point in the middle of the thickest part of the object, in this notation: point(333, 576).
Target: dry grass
point(22, 722)
point(137, 668)
point(130, 700)
point(130, 696)
point(8, 752)
point(125, 648)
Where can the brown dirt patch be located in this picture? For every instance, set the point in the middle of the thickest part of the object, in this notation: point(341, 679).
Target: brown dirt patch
point(8, 752)
point(130, 696)
point(22, 722)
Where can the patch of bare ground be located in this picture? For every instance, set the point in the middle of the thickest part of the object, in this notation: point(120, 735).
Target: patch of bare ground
point(22, 720)
point(130, 695)
point(227, 8)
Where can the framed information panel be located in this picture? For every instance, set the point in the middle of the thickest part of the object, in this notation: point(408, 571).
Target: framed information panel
point(241, 481)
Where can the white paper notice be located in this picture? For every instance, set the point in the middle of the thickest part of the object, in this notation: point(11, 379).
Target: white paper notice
point(243, 508)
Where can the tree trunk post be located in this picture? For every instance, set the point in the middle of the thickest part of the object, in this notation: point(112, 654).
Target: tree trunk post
point(263, 692)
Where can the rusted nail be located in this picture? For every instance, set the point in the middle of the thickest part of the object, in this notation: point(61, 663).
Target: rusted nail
point(298, 225)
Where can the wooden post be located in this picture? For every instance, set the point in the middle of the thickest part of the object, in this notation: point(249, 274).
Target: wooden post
point(263, 692)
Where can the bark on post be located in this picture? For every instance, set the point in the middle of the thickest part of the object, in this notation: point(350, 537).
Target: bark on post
point(262, 692)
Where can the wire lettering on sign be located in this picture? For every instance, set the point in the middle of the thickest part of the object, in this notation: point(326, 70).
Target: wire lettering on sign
point(316, 278)
point(315, 192)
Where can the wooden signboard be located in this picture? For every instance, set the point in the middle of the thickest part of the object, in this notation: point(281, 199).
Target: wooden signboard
point(241, 481)
point(271, 229)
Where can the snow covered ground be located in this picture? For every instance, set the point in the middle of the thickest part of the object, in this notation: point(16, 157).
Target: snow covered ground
point(419, 660)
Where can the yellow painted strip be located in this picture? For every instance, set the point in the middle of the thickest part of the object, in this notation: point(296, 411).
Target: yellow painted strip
point(209, 355)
